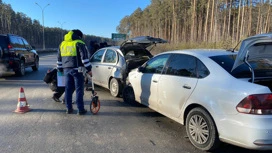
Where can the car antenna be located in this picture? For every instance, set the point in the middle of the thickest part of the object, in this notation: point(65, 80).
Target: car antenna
point(232, 49)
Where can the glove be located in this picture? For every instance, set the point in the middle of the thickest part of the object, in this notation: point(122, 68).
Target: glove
point(90, 73)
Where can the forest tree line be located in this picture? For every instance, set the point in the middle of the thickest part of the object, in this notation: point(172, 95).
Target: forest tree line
point(18, 23)
point(224, 22)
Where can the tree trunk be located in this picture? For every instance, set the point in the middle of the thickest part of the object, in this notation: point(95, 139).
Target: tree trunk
point(250, 19)
point(193, 20)
point(230, 7)
point(206, 22)
point(242, 20)
point(259, 20)
point(267, 19)
point(238, 22)
point(212, 22)
point(224, 24)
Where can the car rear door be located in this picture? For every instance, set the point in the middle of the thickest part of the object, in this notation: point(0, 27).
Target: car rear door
point(107, 66)
point(176, 84)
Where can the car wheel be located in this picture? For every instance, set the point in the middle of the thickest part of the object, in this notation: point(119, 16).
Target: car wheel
point(115, 87)
point(21, 69)
point(36, 66)
point(128, 95)
point(201, 130)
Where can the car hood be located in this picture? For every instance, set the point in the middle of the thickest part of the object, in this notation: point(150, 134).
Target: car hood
point(141, 42)
point(253, 48)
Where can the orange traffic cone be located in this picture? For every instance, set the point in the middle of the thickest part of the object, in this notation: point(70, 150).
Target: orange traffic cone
point(22, 105)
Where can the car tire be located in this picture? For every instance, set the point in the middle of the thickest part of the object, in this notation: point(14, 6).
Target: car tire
point(201, 130)
point(128, 95)
point(21, 68)
point(36, 66)
point(115, 87)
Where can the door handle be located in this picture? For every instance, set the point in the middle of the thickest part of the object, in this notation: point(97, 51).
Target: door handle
point(109, 67)
point(186, 86)
point(96, 66)
point(155, 81)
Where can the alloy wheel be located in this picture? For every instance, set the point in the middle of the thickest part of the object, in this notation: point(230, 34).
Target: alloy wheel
point(199, 129)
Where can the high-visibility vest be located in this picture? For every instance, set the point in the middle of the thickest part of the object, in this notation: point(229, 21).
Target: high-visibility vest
point(68, 48)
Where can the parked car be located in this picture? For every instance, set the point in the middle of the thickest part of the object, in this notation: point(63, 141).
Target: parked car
point(218, 95)
point(112, 64)
point(17, 54)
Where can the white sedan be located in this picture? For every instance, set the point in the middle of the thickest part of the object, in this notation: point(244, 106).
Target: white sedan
point(218, 95)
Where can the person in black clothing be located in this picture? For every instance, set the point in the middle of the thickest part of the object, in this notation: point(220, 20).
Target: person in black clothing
point(51, 80)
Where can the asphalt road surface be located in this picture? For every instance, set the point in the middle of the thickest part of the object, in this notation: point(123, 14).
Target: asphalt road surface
point(118, 127)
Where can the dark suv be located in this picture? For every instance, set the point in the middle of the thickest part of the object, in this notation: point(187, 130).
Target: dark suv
point(16, 54)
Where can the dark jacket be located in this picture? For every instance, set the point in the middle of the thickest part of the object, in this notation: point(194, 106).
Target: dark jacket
point(66, 59)
point(51, 79)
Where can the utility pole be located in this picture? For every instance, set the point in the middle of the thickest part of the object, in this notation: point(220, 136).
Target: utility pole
point(43, 21)
point(61, 24)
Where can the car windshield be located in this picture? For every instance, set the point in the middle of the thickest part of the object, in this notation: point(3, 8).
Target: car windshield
point(261, 67)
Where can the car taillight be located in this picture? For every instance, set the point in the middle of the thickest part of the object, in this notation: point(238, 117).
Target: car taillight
point(9, 46)
point(260, 104)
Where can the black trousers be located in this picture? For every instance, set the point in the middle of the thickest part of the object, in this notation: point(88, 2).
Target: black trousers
point(58, 93)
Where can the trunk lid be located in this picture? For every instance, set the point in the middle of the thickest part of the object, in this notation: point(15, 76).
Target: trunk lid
point(254, 48)
point(140, 44)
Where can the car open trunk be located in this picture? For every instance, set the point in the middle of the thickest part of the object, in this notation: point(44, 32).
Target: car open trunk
point(135, 50)
point(256, 53)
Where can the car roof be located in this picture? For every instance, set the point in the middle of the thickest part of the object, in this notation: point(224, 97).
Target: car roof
point(117, 48)
point(203, 52)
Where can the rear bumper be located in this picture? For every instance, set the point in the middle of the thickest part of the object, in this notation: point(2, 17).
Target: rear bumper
point(9, 64)
point(247, 131)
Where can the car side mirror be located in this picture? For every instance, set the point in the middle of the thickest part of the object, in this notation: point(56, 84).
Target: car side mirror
point(141, 69)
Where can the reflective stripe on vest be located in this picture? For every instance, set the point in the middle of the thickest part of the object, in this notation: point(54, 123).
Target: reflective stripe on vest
point(68, 48)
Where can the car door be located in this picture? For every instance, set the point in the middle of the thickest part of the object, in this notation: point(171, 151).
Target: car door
point(18, 47)
point(146, 87)
point(96, 62)
point(108, 65)
point(30, 55)
point(176, 84)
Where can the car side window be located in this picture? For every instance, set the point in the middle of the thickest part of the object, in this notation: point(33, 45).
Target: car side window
point(97, 57)
point(110, 56)
point(182, 65)
point(156, 64)
point(202, 70)
point(26, 44)
point(21, 43)
point(14, 42)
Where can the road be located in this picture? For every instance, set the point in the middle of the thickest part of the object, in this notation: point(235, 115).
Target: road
point(118, 127)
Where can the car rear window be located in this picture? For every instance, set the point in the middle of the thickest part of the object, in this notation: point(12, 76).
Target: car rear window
point(3, 41)
point(261, 67)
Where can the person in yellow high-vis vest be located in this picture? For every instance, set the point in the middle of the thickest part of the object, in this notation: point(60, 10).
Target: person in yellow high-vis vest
point(72, 59)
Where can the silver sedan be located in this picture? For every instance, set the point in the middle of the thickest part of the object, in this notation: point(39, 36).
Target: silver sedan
point(112, 64)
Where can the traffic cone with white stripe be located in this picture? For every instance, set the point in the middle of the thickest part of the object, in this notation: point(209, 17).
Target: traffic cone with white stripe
point(22, 105)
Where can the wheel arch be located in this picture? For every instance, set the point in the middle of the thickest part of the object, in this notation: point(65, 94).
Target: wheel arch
point(111, 77)
point(192, 106)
